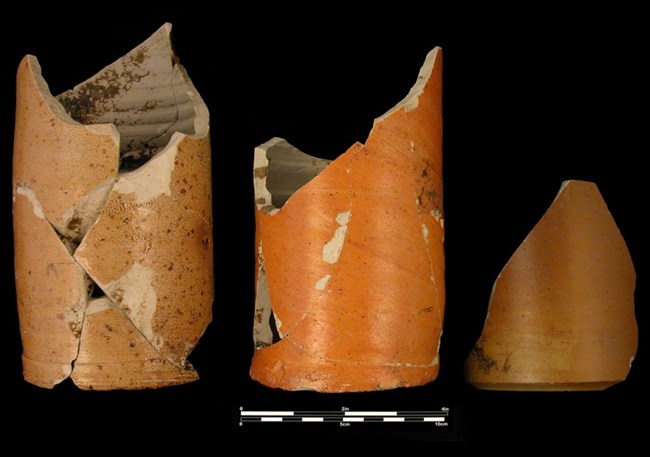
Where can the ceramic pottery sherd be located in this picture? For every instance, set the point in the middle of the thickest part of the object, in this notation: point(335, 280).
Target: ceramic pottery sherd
point(113, 223)
point(350, 263)
point(561, 314)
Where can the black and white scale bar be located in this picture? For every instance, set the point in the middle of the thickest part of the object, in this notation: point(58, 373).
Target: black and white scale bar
point(343, 416)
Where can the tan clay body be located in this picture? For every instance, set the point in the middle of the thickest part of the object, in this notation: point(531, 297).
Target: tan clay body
point(561, 314)
point(112, 193)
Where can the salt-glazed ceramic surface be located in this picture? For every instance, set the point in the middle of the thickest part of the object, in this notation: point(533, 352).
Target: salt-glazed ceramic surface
point(561, 314)
point(113, 223)
point(350, 262)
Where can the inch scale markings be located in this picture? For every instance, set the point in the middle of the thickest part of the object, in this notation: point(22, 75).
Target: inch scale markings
point(344, 417)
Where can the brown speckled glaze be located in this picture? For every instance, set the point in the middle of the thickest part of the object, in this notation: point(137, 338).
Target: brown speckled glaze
point(112, 193)
point(59, 160)
point(350, 267)
point(112, 349)
point(561, 315)
point(170, 236)
point(52, 293)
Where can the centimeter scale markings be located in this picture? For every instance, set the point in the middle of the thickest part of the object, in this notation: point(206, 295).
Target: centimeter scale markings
point(344, 416)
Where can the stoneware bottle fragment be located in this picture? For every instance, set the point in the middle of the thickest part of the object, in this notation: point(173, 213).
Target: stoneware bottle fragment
point(561, 314)
point(113, 223)
point(350, 263)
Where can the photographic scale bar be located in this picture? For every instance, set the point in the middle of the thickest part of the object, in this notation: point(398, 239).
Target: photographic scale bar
point(343, 416)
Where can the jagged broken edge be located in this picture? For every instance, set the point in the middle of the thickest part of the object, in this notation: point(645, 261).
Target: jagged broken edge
point(263, 197)
point(201, 130)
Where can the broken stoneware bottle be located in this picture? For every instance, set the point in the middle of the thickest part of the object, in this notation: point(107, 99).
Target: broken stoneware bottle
point(112, 223)
point(561, 314)
point(350, 263)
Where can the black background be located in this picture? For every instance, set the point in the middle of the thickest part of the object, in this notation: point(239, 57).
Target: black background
point(530, 99)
